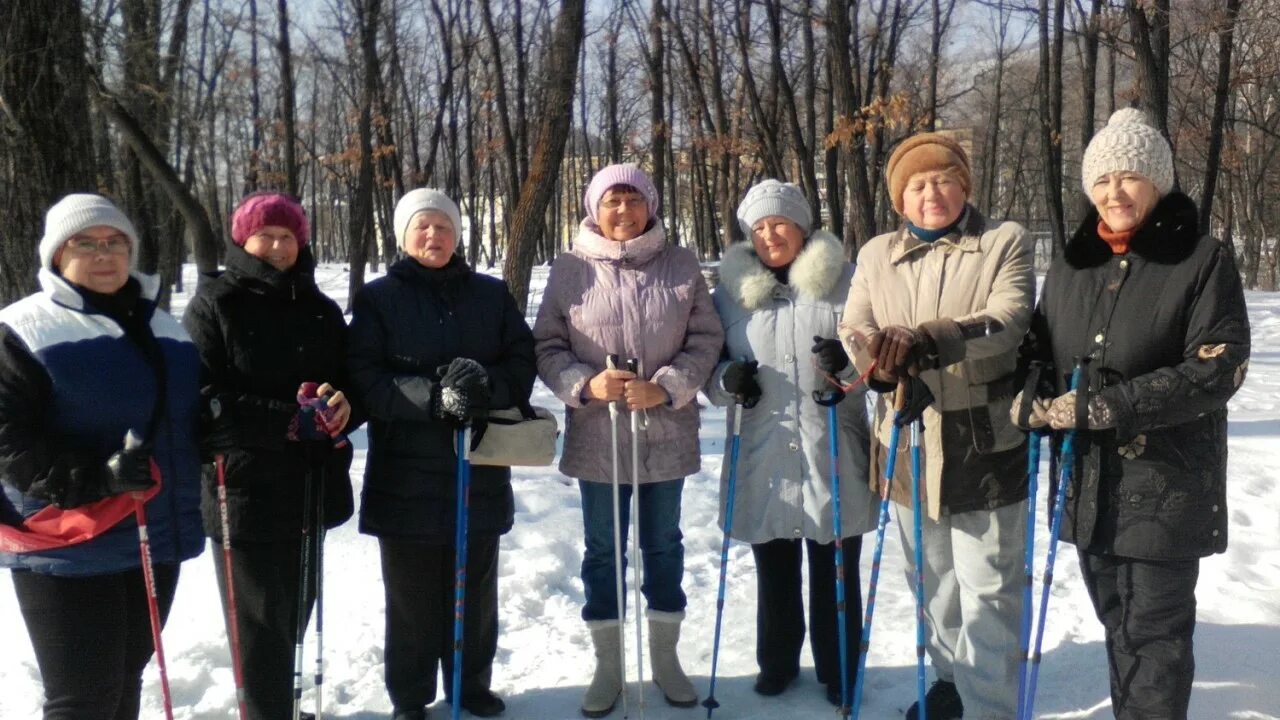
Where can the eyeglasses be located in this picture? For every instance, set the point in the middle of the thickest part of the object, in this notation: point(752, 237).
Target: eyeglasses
point(615, 203)
point(114, 245)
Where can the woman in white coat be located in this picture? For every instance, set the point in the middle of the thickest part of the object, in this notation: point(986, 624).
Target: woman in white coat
point(779, 294)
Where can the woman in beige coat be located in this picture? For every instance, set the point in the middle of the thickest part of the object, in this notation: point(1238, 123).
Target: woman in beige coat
point(945, 300)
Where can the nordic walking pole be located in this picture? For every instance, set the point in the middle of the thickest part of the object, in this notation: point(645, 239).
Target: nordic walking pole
point(233, 621)
point(1055, 524)
point(842, 613)
point(633, 366)
point(739, 403)
point(460, 562)
point(304, 568)
point(1033, 478)
point(917, 519)
point(611, 361)
point(149, 580)
point(899, 401)
point(319, 571)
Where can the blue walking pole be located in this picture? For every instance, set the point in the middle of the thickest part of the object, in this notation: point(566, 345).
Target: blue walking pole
point(890, 465)
point(842, 613)
point(460, 561)
point(710, 703)
point(917, 518)
point(1055, 525)
point(1028, 563)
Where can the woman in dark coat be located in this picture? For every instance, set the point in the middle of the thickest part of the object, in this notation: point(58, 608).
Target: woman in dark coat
point(434, 345)
point(83, 362)
point(1159, 311)
point(263, 329)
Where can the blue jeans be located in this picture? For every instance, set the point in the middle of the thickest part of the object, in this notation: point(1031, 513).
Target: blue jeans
point(661, 544)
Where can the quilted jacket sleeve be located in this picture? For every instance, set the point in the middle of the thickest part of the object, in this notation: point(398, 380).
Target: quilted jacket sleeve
point(1215, 358)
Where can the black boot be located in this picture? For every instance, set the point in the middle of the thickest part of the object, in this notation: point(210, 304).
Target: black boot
point(942, 701)
point(770, 684)
point(483, 703)
point(414, 714)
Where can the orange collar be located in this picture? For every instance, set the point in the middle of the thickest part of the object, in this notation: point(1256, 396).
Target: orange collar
point(1119, 241)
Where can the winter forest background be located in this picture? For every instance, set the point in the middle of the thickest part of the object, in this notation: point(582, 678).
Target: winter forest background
point(177, 108)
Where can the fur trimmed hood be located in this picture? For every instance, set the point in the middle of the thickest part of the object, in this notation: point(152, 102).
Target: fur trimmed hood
point(813, 273)
point(1169, 235)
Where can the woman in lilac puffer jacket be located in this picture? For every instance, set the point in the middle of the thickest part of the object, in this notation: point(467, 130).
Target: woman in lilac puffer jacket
point(624, 290)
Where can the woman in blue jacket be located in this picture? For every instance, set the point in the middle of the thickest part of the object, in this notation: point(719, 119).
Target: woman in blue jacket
point(83, 362)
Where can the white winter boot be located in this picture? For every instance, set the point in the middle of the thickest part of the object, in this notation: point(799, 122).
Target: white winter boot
point(664, 633)
point(606, 684)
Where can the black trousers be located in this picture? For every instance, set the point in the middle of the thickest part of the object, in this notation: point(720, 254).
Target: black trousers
point(780, 624)
point(419, 583)
point(92, 639)
point(1148, 610)
point(267, 584)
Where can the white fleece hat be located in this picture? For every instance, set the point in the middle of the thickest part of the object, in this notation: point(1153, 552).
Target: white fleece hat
point(1128, 144)
point(76, 213)
point(421, 200)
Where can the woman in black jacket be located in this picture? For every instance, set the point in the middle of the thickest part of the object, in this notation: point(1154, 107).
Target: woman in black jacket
point(1159, 311)
point(263, 329)
point(433, 345)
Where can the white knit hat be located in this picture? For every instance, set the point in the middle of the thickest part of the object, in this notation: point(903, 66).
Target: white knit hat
point(770, 197)
point(421, 200)
point(1130, 144)
point(81, 211)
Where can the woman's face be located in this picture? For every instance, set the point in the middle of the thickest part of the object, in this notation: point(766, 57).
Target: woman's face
point(274, 245)
point(777, 240)
point(96, 259)
point(1124, 199)
point(933, 199)
point(622, 214)
point(430, 239)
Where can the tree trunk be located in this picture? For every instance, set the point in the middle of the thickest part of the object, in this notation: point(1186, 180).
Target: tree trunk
point(361, 220)
point(287, 103)
point(46, 148)
point(561, 69)
point(1222, 90)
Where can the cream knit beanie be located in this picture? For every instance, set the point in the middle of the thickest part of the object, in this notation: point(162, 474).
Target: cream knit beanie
point(1128, 144)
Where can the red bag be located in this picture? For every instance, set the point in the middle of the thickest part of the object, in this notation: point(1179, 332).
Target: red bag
point(52, 528)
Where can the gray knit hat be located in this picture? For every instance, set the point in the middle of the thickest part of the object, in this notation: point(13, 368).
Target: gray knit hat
point(76, 213)
point(1128, 144)
point(421, 200)
point(770, 197)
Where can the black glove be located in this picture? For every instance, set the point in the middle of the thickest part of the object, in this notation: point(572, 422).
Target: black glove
point(464, 392)
point(739, 380)
point(919, 397)
point(218, 434)
point(902, 349)
point(829, 355)
point(129, 470)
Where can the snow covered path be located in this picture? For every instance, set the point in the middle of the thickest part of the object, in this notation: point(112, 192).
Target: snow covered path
point(544, 654)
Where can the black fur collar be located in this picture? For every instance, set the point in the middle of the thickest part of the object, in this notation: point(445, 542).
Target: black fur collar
point(1169, 235)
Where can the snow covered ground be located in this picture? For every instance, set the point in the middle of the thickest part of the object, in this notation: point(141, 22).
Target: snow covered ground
point(544, 654)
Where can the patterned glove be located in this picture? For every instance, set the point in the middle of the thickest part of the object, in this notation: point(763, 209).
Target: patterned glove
point(1061, 414)
point(464, 392)
point(310, 423)
point(1036, 414)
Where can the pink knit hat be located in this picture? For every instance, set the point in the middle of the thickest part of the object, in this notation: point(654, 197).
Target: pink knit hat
point(614, 175)
point(260, 209)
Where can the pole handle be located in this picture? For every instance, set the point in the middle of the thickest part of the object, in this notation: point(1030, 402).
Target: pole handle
point(900, 395)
